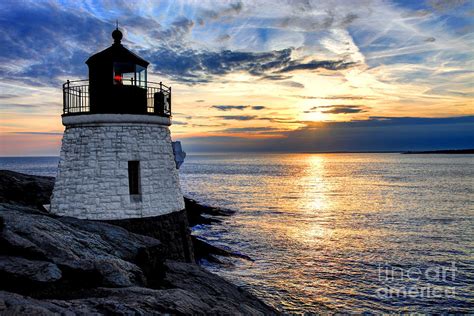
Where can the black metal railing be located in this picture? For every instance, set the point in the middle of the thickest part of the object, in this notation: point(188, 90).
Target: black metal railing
point(76, 97)
point(158, 98)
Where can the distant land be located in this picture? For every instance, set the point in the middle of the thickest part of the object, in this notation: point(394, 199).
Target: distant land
point(409, 152)
point(443, 151)
point(447, 151)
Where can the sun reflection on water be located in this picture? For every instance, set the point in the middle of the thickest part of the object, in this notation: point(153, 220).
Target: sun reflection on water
point(317, 225)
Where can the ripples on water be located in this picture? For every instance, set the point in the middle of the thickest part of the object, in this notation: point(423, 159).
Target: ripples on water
point(327, 231)
point(320, 226)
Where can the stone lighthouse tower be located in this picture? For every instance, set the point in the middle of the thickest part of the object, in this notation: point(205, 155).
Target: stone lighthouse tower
point(116, 158)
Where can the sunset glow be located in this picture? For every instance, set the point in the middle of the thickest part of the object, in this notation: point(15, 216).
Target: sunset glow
point(251, 73)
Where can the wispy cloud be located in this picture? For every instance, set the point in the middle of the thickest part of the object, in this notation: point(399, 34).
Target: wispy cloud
point(237, 117)
point(339, 109)
point(335, 97)
point(238, 107)
point(315, 64)
point(229, 107)
point(39, 133)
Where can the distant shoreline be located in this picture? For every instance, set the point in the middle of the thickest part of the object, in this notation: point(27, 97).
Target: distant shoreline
point(442, 151)
point(448, 151)
point(408, 152)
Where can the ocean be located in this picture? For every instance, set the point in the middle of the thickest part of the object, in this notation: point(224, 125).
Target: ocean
point(336, 232)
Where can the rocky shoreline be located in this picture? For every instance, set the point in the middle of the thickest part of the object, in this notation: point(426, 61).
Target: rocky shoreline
point(51, 264)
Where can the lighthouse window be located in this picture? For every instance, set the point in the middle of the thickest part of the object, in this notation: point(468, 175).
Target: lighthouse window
point(134, 179)
point(124, 74)
point(141, 77)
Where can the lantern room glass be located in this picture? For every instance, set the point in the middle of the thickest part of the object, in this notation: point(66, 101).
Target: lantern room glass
point(129, 74)
point(140, 76)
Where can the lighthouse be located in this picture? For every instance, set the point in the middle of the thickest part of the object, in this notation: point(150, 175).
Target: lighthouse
point(117, 159)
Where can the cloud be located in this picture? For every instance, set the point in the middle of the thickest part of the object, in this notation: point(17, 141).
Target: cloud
point(19, 105)
point(338, 109)
point(35, 49)
point(344, 110)
point(292, 84)
point(377, 121)
point(335, 97)
point(446, 5)
point(237, 117)
point(223, 38)
point(193, 66)
point(229, 107)
point(38, 133)
point(9, 96)
point(263, 130)
point(373, 134)
point(315, 64)
point(233, 9)
point(275, 77)
point(238, 107)
point(56, 39)
point(179, 28)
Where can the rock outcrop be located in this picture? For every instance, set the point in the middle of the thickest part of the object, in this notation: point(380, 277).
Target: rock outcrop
point(64, 265)
point(24, 189)
point(69, 253)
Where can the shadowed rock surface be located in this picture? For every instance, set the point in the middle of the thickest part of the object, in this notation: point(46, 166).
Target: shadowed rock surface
point(35, 191)
point(196, 211)
point(51, 264)
point(25, 189)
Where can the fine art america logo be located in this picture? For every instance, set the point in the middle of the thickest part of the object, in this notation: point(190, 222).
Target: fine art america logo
point(430, 282)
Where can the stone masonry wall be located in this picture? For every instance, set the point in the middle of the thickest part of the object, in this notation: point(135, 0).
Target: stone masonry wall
point(92, 180)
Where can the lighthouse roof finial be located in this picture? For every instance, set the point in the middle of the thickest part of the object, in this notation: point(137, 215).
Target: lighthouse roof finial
point(117, 35)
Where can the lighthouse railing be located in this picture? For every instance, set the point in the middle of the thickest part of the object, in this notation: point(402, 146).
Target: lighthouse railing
point(76, 98)
point(158, 99)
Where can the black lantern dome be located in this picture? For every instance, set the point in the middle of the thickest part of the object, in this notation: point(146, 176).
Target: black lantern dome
point(117, 80)
point(117, 85)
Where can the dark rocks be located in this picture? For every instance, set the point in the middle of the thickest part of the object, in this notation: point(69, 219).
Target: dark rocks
point(217, 295)
point(171, 229)
point(75, 245)
point(204, 250)
point(203, 214)
point(194, 291)
point(59, 265)
point(82, 267)
point(24, 189)
point(137, 301)
point(39, 271)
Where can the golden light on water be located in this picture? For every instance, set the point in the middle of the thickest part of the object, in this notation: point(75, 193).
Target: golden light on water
point(317, 225)
point(314, 199)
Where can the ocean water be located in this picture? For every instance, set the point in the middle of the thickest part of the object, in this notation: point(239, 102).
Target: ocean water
point(337, 232)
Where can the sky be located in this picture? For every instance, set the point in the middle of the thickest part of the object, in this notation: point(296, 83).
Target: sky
point(264, 76)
